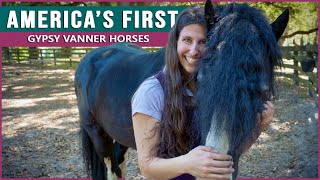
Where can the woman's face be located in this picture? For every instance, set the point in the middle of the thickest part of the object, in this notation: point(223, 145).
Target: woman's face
point(190, 46)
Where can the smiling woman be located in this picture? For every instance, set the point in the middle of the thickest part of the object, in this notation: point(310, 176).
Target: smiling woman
point(190, 47)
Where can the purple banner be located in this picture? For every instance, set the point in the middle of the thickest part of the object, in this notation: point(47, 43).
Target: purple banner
point(104, 1)
point(85, 39)
point(162, 1)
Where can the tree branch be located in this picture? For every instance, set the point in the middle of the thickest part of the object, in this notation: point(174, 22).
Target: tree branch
point(300, 32)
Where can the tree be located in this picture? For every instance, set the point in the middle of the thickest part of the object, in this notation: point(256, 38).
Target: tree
point(303, 17)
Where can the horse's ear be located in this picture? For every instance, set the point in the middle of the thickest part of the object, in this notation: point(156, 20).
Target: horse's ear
point(210, 14)
point(280, 24)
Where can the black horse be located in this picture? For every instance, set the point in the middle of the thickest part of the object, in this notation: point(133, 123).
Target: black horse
point(236, 77)
point(107, 77)
point(105, 81)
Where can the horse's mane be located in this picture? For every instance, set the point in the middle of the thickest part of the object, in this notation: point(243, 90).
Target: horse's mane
point(236, 75)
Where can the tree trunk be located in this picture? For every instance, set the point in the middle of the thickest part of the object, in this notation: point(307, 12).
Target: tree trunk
point(65, 52)
point(33, 53)
point(6, 53)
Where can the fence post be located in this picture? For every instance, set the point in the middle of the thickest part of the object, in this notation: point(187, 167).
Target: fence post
point(295, 72)
point(6, 54)
point(54, 57)
point(310, 83)
point(41, 57)
point(296, 64)
point(18, 55)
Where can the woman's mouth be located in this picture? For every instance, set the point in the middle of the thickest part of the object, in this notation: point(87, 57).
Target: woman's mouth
point(191, 60)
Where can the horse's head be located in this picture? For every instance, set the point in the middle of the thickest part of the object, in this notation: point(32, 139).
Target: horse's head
point(278, 26)
point(236, 74)
point(237, 29)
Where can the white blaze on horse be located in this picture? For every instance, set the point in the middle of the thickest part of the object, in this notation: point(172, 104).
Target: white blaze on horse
point(236, 76)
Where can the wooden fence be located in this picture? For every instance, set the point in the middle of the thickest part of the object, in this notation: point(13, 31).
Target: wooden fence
point(297, 60)
point(44, 56)
point(301, 66)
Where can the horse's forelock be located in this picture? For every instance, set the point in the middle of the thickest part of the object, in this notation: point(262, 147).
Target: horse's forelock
point(236, 19)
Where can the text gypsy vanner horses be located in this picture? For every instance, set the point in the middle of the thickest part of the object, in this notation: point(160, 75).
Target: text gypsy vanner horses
point(236, 76)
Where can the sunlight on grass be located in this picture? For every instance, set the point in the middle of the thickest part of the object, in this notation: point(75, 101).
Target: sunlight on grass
point(22, 103)
point(63, 94)
point(281, 127)
point(26, 88)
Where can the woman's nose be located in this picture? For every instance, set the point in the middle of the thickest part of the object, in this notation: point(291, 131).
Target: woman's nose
point(194, 49)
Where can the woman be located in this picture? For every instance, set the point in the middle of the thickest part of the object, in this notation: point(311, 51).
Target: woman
point(162, 108)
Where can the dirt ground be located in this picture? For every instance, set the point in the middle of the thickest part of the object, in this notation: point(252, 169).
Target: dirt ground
point(40, 130)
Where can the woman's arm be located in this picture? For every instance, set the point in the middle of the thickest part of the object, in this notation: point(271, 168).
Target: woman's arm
point(201, 162)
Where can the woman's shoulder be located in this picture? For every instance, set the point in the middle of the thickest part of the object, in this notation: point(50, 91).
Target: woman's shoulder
point(151, 84)
point(150, 87)
point(148, 99)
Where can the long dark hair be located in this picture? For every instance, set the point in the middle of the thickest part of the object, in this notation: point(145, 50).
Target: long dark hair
point(176, 133)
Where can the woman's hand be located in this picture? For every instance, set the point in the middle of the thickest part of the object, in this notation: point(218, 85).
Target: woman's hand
point(267, 115)
point(205, 162)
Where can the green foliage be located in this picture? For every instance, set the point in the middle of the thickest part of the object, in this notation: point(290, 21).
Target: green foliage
point(303, 15)
point(303, 18)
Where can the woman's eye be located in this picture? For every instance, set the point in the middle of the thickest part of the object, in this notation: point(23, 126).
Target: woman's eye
point(187, 40)
point(203, 42)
